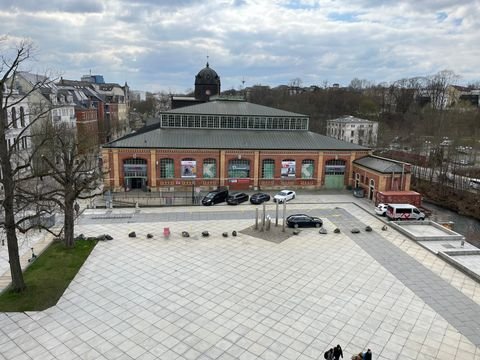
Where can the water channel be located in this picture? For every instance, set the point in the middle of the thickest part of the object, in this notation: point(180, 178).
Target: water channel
point(465, 225)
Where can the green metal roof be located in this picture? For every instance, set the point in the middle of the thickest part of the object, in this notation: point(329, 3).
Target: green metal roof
point(382, 165)
point(232, 108)
point(171, 138)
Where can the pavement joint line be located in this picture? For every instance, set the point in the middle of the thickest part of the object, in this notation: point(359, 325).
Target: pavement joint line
point(385, 349)
point(440, 289)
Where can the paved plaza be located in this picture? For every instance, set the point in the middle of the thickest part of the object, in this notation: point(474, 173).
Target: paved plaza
point(246, 298)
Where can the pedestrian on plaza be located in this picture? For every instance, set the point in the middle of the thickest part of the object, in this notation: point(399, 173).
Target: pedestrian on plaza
point(337, 352)
point(328, 354)
point(77, 208)
point(367, 355)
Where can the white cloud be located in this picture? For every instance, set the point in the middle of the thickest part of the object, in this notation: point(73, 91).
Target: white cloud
point(158, 45)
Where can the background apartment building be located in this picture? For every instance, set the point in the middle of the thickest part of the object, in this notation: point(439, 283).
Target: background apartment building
point(353, 130)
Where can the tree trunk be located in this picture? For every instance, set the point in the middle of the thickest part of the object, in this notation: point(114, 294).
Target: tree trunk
point(18, 284)
point(69, 222)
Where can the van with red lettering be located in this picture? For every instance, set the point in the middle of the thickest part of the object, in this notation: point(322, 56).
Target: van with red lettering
point(404, 212)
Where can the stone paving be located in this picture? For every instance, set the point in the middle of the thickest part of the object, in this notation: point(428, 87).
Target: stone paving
point(246, 298)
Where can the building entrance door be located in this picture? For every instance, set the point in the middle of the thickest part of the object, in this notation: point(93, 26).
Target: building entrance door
point(135, 174)
point(334, 181)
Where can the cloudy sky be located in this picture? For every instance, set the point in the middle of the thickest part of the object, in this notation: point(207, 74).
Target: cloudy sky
point(161, 45)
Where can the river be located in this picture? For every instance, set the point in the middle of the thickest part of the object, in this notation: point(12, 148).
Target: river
point(467, 226)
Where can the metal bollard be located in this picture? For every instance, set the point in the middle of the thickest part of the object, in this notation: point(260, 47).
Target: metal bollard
point(256, 219)
point(276, 213)
point(263, 217)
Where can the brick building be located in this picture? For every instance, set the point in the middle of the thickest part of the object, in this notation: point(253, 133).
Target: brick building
point(374, 173)
point(230, 143)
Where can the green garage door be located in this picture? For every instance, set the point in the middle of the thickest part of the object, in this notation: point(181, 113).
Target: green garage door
point(335, 174)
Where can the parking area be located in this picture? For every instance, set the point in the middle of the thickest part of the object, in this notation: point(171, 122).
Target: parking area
point(246, 298)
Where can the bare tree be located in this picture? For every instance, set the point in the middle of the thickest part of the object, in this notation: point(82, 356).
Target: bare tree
point(295, 83)
point(359, 84)
point(14, 163)
point(437, 88)
point(72, 173)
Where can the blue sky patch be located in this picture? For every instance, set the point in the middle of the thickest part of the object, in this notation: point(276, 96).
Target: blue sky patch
point(300, 5)
point(457, 22)
point(346, 16)
point(441, 16)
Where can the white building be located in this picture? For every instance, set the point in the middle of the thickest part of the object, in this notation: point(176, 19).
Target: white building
point(353, 130)
point(17, 131)
point(47, 105)
point(46, 100)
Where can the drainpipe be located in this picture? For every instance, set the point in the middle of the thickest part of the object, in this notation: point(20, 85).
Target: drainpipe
point(401, 179)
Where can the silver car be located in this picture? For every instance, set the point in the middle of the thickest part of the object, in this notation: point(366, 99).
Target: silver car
point(284, 196)
point(381, 209)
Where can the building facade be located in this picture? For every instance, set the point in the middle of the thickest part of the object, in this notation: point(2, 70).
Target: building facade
point(374, 174)
point(354, 130)
point(111, 102)
point(17, 131)
point(229, 143)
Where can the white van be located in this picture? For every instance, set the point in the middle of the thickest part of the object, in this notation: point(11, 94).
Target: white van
point(404, 212)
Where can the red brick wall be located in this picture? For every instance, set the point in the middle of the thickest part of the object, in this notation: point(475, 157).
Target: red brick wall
point(87, 126)
point(222, 169)
point(383, 182)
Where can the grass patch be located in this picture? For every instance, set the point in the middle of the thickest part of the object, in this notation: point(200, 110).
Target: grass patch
point(48, 277)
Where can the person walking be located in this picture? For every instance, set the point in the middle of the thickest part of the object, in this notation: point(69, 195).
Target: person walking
point(367, 355)
point(77, 208)
point(337, 352)
point(328, 354)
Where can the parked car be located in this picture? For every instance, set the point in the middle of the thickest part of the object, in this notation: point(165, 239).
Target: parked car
point(259, 198)
point(215, 197)
point(237, 198)
point(381, 209)
point(284, 195)
point(303, 220)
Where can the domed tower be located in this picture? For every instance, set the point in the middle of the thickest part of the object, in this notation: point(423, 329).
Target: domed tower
point(207, 83)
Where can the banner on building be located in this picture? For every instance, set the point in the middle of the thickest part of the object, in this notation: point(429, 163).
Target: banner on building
point(288, 169)
point(307, 171)
point(209, 171)
point(189, 169)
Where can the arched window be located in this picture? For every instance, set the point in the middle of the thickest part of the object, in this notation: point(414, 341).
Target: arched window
point(308, 166)
point(14, 117)
point(189, 168)
point(22, 117)
point(268, 169)
point(209, 168)
point(239, 168)
point(288, 168)
point(167, 169)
